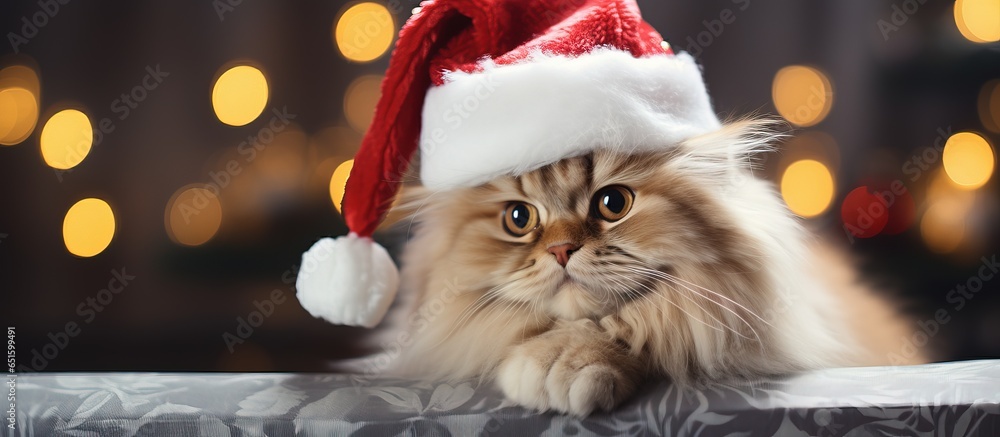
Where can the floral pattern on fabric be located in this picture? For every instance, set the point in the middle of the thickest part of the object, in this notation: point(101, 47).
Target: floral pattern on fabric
point(948, 399)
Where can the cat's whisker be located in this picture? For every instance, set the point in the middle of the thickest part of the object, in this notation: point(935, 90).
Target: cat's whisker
point(492, 295)
point(512, 307)
point(734, 313)
point(748, 310)
point(481, 302)
point(507, 305)
point(653, 291)
point(530, 264)
point(471, 310)
point(534, 310)
point(715, 293)
point(615, 293)
point(423, 202)
point(636, 296)
point(628, 292)
point(730, 310)
point(706, 312)
point(491, 312)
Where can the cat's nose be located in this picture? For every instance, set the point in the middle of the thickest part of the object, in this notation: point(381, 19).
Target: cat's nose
point(563, 251)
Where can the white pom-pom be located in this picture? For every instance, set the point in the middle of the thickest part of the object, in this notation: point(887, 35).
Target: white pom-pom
point(347, 281)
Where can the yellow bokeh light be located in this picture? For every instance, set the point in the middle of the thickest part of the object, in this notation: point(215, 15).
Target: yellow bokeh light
point(802, 95)
point(239, 95)
point(321, 174)
point(364, 32)
point(978, 20)
point(968, 159)
point(942, 187)
point(19, 90)
point(360, 99)
point(943, 225)
point(807, 187)
point(20, 76)
point(88, 227)
point(338, 181)
point(66, 139)
point(989, 105)
point(9, 103)
point(193, 216)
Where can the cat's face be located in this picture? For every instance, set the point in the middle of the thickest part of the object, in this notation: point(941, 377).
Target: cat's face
point(586, 235)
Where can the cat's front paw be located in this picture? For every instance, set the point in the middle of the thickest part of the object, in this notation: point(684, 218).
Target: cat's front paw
point(568, 374)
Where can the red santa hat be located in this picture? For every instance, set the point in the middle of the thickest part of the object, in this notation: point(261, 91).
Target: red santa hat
point(485, 88)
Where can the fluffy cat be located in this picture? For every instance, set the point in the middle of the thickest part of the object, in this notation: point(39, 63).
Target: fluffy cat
point(570, 284)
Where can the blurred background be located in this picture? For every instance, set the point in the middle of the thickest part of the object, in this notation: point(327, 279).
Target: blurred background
point(164, 164)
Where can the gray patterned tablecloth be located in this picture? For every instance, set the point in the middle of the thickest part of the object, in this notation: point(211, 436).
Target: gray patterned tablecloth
point(949, 399)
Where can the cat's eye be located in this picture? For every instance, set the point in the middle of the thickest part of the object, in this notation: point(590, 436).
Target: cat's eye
point(612, 203)
point(519, 218)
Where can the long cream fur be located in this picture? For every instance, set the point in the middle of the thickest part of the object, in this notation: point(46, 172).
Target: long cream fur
point(707, 278)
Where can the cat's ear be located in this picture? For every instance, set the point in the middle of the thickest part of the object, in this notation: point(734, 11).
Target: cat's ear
point(733, 150)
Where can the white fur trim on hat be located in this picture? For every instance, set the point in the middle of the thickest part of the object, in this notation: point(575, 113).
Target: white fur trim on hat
point(511, 119)
point(347, 281)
